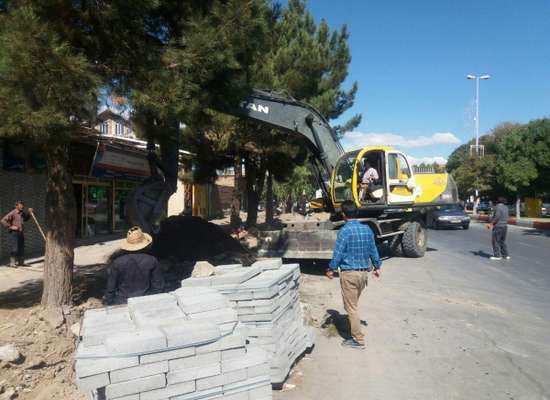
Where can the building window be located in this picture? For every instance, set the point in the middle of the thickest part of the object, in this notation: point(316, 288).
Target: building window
point(119, 129)
point(104, 128)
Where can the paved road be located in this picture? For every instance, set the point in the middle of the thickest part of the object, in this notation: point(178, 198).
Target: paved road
point(452, 325)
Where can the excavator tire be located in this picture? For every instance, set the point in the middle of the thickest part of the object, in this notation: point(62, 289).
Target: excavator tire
point(396, 246)
point(414, 240)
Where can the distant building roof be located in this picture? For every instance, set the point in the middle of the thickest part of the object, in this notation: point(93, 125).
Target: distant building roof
point(88, 134)
point(110, 114)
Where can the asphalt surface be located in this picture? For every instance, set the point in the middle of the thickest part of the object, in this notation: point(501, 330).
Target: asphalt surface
point(450, 325)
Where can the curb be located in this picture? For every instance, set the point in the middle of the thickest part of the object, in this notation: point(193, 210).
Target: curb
point(513, 221)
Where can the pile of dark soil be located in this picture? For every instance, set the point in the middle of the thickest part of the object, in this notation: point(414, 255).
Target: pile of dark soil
point(187, 238)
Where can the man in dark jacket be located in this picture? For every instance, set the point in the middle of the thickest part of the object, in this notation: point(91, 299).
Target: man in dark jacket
point(14, 221)
point(499, 224)
point(135, 273)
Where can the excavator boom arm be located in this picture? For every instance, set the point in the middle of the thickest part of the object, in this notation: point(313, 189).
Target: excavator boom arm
point(289, 115)
point(294, 116)
point(149, 199)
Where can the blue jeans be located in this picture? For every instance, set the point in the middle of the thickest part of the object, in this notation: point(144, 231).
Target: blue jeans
point(17, 245)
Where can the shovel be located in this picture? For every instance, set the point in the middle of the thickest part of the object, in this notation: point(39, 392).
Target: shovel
point(38, 226)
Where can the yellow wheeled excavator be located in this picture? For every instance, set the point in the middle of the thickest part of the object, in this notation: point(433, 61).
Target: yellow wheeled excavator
point(395, 205)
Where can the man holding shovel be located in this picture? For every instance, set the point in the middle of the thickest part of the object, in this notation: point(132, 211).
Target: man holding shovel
point(14, 222)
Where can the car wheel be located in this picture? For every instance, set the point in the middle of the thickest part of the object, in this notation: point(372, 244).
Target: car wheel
point(466, 227)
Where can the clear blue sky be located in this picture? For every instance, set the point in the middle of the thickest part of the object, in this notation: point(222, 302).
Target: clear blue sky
point(411, 58)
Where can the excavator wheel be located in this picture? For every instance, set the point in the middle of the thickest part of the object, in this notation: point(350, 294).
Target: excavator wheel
point(415, 239)
point(396, 246)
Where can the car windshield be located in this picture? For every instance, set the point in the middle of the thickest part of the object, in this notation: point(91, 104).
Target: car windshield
point(451, 207)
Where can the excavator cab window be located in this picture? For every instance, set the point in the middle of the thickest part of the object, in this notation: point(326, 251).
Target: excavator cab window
point(400, 179)
point(398, 168)
point(370, 178)
point(343, 178)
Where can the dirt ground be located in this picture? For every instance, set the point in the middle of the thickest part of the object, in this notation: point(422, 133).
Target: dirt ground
point(43, 338)
point(44, 370)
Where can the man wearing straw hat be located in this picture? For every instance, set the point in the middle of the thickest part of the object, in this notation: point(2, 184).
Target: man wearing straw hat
point(135, 273)
point(14, 221)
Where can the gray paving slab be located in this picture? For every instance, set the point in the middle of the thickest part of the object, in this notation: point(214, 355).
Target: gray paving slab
point(140, 371)
point(167, 355)
point(169, 391)
point(212, 393)
point(192, 374)
point(191, 332)
point(200, 360)
point(140, 385)
point(93, 366)
point(222, 379)
point(93, 382)
point(141, 341)
point(270, 263)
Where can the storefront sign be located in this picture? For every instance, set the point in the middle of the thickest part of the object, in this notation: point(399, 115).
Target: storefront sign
point(113, 162)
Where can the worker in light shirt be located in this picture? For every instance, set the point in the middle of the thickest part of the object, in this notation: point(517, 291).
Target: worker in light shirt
point(369, 177)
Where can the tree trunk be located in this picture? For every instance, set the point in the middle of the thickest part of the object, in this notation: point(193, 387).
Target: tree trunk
point(255, 176)
point(288, 203)
point(269, 199)
point(518, 206)
point(61, 226)
point(235, 218)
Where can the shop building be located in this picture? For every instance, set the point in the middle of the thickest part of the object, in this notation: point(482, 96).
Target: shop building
point(105, 170)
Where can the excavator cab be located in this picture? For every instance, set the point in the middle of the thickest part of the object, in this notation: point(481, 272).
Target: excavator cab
point(373, 176)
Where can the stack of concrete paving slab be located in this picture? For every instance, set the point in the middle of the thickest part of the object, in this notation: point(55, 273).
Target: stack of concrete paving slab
point(266, 298)
point(227, 336)
point(186, 345)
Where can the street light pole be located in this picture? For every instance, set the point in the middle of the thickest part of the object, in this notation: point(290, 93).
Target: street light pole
point(477, 147)
point(477, 78)
point(477, 115)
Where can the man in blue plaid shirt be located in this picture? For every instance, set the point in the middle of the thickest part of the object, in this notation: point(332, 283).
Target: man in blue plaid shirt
point(355, 254)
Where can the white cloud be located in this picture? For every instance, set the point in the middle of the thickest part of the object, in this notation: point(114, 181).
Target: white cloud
point(427, 160)
point(356, 140)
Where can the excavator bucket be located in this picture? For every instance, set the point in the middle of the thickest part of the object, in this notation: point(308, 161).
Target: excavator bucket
point(302, 240)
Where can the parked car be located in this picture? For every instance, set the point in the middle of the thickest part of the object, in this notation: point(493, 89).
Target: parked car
point(448, 216)
point(545, 210)
point(484, 207)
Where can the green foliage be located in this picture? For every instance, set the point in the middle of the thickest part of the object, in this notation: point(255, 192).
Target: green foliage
point(516, 161)
point(309, 63)
point(524, 158)
point(300, 181)
point(204, 66)
point(47, 88)
point(274, 48)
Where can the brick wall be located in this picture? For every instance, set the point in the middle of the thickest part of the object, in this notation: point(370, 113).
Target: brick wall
point(31, 188)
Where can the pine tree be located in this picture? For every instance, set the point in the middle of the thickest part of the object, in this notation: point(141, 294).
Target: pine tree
point(309, 63)
point(46, 92)
point(172, 58)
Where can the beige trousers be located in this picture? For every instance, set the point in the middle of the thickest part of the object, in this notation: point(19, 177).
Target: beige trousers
point(353, 283)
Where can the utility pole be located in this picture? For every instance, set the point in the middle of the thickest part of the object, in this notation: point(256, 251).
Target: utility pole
point(477, 149)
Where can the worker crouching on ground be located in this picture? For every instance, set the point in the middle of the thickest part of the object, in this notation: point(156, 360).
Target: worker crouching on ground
point(14, 221)
point(135, 273)
point(354, 251)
